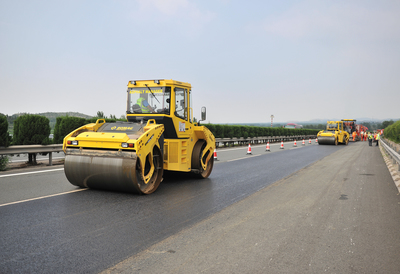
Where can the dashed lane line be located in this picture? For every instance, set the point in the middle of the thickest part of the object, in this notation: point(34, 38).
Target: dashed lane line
point(43, 197)
point(250, 156)
point(32, 172)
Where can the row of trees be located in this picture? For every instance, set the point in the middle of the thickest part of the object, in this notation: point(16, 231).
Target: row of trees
point(230, 131)
point(32, 129)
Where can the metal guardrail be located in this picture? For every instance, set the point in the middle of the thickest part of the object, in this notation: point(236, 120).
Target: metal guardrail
point(26, 149)
point(257, 140)
point(392, 153)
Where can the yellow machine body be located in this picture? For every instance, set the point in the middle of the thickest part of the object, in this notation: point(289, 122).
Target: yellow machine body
point(131, 156)
point(334, 134)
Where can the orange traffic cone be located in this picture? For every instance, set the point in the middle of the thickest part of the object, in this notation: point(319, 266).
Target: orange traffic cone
point(309, 141)
point(304, 143)
point(282, 145)
point(316, 140)
point(295, 143)
point(267, 149)
point(215, 155)
point(249, 149)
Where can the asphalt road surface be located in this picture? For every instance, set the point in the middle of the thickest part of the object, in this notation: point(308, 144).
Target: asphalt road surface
point(312, 209)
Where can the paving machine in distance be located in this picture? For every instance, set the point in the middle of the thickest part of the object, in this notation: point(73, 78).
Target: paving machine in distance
point(350, 126)
point(131, 156)
point(334, 134)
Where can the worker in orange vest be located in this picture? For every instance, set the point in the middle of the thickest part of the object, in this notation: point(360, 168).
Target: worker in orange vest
point(354, 136)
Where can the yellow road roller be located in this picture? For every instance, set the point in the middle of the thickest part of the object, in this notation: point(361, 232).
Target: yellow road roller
point(131, 156)
point(334, 134)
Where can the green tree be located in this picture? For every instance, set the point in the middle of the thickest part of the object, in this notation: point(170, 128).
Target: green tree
point(4, 136)
point(237, 131)
point(219, 131)
point(228, 131)
point(65, 125)
point(385, 124)
point(4, 140)
point(31, 130)
point(100, 114)
point(392, 132)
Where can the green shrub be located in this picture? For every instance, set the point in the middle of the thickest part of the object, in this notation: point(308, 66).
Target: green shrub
point(4, 136)
point(228, 131)
point(237, 131)
point(392, 132)
point(3, 162)
point(31, 130)
point(65, 125)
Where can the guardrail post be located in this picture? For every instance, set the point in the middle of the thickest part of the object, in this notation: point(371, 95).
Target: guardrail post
point(50, 158)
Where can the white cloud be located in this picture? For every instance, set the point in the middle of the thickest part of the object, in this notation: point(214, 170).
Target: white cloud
point(344, 20)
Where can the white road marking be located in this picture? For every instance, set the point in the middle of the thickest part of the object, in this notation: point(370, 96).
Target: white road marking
point(243, 158)
point(37, 159)
point(32, 172)
point(43, 197)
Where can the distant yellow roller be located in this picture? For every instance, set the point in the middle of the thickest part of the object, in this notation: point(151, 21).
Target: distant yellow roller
point(334, 134)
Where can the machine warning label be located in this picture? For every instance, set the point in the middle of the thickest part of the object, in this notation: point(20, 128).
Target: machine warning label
point(181, 127)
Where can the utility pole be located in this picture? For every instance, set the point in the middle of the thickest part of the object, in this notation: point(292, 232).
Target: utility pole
point(272, 119)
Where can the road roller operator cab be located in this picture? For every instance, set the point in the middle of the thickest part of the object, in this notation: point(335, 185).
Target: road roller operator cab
point(160, 134)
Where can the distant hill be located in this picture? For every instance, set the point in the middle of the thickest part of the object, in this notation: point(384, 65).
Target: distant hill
point(71, 114)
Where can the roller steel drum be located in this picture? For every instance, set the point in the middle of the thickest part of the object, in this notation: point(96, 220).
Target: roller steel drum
point(323, 140)
point(117, 171)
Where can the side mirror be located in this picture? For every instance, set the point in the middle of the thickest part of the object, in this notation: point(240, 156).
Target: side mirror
point(203, 113)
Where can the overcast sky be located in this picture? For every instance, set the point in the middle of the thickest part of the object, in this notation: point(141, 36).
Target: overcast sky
point(246, 60)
